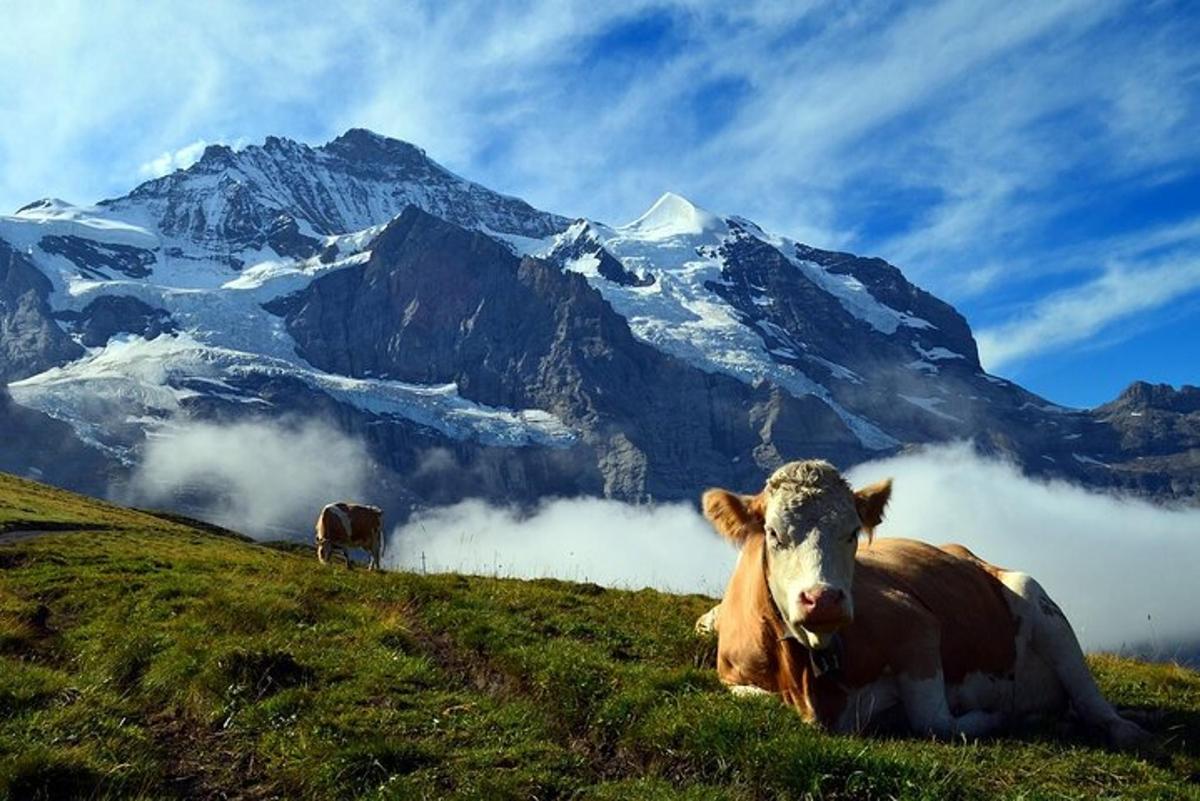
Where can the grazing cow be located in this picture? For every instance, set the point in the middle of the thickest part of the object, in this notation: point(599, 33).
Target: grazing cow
point(350, 525)
point(894, 632)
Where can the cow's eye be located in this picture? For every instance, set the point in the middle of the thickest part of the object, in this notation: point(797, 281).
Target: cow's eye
point(772, 535)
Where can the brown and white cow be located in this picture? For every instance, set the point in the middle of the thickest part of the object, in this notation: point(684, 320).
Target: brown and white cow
point(859, 633)
point(343, 526)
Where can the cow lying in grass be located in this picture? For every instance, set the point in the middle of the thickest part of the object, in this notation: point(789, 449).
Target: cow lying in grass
point(343, 526)
point(892, 632)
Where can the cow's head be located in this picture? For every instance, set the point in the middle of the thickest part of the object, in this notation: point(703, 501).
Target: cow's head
point(811, 521)
point(324, 549)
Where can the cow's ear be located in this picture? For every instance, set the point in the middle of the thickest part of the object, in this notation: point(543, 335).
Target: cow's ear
point(735, 517)
point(870, 502)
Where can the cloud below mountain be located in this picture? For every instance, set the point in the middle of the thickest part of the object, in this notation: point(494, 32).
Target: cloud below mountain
point(264, 479)
point(1122, 569)
point(669, 547)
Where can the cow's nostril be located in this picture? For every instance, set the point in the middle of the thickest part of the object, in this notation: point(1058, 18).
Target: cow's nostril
point(807, 601)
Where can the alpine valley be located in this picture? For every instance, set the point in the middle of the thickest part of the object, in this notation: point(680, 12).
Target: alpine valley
point(483, 348)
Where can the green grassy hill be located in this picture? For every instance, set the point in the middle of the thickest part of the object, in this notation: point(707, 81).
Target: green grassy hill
point(144, 657)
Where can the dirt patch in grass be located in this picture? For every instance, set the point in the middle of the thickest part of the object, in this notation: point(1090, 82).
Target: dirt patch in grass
point(259, 674)
point(205, 762)
point(27, 634)
point(471, 668)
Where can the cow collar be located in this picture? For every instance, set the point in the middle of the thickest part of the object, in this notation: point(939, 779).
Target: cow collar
point(826, 661)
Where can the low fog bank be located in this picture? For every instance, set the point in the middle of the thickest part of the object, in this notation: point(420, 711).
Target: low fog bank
point(1125, 571)
point(668, 547)
point(263, 479)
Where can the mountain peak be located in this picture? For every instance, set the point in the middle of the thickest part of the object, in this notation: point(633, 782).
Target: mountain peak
point(1144, 395)
point(674, 215)
point(42, 206)
point(216, 154)
point(359, 180)
point(366, 145)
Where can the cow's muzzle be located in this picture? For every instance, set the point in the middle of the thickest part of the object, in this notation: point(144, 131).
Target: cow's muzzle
point(822, 610)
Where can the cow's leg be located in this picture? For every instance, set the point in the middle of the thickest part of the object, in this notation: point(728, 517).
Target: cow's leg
point(376, 551)
point(346, 556)
point(707, 623)
point(1053, 640)
point(923, 692)
point(927, 708)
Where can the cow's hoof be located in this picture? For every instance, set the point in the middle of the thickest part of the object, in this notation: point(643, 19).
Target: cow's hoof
point(1125, 734)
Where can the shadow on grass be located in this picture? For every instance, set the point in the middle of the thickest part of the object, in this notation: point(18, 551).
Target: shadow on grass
point(11, 526)
point(202, 525)
point(39, 775)
point(260, 674)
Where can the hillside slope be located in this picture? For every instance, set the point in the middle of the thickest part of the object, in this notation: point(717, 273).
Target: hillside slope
point(143, 657)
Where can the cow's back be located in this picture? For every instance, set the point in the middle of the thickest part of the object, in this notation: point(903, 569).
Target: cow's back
point(367, 523)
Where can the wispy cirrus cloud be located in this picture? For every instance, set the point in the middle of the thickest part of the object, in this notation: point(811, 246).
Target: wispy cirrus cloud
point(1116, 282)
point(1078, 314)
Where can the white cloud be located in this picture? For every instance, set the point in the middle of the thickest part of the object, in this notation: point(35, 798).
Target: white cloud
point(1123, 570)
point(1078, 314)
point(170, 161)
point(669, 547)
point(264, 479)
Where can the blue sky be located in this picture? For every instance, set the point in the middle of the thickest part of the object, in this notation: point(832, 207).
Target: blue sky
point(1036, 164)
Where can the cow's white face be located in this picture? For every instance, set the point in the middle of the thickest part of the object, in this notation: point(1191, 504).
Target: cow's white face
point(324, 548)
point(811, 521)
point(811, 539)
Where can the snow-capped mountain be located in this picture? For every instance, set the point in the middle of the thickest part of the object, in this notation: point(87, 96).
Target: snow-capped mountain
point(361, 282)
point(287, 195)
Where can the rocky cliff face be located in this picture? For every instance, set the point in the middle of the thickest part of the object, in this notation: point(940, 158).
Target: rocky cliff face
point(38, 446)
point(1149, 439)
point(436, 303)
point(30, 341)
point(484, 348)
